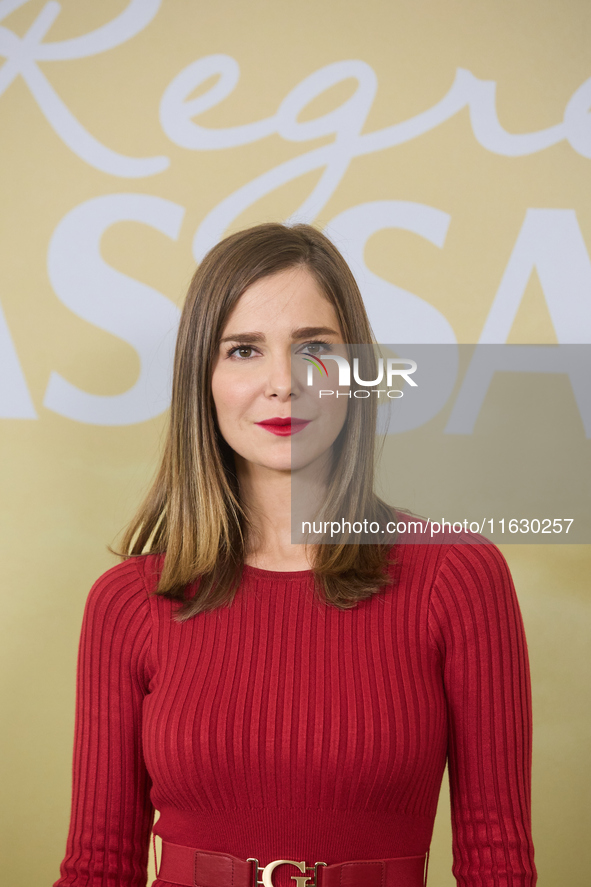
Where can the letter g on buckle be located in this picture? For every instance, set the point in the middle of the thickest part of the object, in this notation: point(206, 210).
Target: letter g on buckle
point(301, 880)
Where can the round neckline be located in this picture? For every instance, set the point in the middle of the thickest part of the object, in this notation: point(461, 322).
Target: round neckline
point(276, 574)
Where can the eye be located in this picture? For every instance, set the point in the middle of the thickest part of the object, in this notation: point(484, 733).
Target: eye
point(316, 348)
point(241, 352)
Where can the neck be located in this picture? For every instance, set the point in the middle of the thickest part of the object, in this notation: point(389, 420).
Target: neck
point(267, 497)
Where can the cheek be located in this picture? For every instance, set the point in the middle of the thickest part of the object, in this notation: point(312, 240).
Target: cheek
point(331, 420)
point(220, 391)
point(231, 396)
point(335, 409)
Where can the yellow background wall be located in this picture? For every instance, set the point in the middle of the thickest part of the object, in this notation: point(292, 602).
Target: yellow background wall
point(69, 484)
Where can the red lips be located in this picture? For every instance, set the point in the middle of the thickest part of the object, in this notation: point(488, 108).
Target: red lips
point(283, 426)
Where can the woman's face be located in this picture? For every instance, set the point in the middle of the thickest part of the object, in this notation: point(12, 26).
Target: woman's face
point(254, 381)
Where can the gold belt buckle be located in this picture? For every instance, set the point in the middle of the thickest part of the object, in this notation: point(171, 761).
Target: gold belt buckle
point(302, 880)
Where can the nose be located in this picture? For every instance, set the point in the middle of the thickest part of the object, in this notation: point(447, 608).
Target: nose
point(279, 378)
point(283, 375)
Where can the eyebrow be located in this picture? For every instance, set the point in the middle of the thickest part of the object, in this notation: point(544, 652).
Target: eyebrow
point(305, 332)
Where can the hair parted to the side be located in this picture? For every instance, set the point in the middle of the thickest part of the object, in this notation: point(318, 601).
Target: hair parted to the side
point(193, 513)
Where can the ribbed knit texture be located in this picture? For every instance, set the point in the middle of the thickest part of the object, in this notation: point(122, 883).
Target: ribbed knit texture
point(280, 727)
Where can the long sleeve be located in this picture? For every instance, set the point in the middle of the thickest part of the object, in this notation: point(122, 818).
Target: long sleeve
point(111, 813)
point(476, 623)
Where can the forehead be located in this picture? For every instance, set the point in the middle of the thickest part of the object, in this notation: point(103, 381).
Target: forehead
point(289, 294)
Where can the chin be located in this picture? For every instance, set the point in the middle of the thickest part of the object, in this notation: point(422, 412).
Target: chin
point(272, 462)
point(283, 464)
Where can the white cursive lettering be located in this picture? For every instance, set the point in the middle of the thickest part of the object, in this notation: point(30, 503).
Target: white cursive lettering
point(22, 55)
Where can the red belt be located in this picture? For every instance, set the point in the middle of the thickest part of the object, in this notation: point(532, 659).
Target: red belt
point(190, 867)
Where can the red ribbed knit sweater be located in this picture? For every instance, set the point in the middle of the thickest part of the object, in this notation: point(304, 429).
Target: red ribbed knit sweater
point(282, 727)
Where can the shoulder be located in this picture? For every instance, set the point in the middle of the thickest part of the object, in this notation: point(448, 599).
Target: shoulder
point(125, 587)
point(446, 541)
point(474, 561)
point(445, 558)
point(473, 601)
point(117, 631)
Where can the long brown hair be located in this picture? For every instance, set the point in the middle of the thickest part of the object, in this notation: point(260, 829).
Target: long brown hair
point(193, 513)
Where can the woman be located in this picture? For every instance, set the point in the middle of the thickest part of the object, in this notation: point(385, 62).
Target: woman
point(289, 708)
